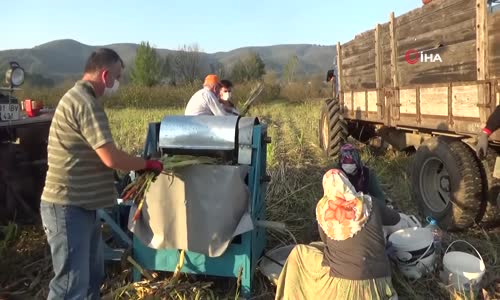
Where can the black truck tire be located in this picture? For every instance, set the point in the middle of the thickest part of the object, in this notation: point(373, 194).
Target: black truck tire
point(332, 128)
point(447, 182)
point(491, 217)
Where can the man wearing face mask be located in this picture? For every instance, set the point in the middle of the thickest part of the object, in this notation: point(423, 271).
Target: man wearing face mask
point(81, 159)
point(206, 101)
point(225, 96)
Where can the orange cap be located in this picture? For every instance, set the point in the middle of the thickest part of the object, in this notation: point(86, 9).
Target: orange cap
point(211, 79)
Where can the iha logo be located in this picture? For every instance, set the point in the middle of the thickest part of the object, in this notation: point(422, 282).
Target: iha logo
point(413, 56)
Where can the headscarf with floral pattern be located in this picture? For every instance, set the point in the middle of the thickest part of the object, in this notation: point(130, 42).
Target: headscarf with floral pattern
point(342, 212)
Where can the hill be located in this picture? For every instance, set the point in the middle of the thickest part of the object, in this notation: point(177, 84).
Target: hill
point(64, 59)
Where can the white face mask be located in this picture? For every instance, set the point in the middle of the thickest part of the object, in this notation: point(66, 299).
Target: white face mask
point(112, 90)
point(349, 168)
point(226, 96)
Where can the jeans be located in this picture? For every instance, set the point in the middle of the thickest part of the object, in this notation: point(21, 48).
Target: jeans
point(74, 236)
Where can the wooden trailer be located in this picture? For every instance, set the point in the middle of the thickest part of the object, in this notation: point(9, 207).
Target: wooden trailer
point(427, 79)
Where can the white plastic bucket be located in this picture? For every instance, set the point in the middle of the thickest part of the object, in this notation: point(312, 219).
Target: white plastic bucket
point(414, 251)
point(462, 270)
point(272, 262)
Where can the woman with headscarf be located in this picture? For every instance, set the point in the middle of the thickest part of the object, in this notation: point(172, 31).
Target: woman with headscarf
point(359, 175)
point(366, 182)
point(351, 262)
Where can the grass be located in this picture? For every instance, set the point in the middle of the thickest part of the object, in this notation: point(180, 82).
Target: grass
point(296, 166)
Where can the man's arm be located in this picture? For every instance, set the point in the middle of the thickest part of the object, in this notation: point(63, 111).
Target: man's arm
point(493, 122)
point(95, 129)
point(216, 107)
point(115, 158)
point(374, 188)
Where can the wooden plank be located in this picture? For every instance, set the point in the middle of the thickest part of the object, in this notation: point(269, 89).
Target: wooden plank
point(340, 72)
point(378, 57)
point(408, 100)
point(356, 82)
point(359, 102)
point(438, 20)
point(359, 59)
point(458, 64)
point(494, 45)
point(482, 39)
point(386, 56)
point(436, 7)
point(368, 69)
point(358, 45)
point(465, 99)
point(347, 101)
point(372, 101)
point(434, 101)
point(457, 33)
point(379, 75)
point(394, 51)
point(482, 58)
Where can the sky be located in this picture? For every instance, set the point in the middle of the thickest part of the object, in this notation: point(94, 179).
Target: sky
point(215, 26)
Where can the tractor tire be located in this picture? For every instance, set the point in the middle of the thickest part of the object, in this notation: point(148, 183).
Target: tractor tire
point(491, 217)
point(332, 128)
point(447, 182)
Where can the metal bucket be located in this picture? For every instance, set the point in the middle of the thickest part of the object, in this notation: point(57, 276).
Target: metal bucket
point(463, 271)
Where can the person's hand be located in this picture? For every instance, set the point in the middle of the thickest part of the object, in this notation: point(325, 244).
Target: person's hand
point(482, 145)
point(154, 165)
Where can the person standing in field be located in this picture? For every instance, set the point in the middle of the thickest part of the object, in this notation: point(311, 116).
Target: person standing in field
point(225, 96)
point(206, 101)
point(81, 159)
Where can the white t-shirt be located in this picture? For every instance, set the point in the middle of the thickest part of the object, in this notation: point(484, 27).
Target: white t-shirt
point(204, 102)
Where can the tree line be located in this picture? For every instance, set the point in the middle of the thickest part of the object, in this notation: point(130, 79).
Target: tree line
point(185, 66)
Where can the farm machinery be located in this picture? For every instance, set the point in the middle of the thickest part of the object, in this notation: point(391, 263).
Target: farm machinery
point(24, 128)
point(427, 81)
point(198, 209)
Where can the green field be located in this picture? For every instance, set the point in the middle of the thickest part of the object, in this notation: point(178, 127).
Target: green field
point(296, 165)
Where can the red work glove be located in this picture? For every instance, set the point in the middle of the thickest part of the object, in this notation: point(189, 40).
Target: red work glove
point(154, 165)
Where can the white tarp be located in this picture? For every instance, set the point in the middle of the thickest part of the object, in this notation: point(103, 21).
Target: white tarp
point(200, 209)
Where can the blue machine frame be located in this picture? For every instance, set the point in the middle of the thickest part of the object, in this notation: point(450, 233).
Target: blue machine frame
point(241, 256)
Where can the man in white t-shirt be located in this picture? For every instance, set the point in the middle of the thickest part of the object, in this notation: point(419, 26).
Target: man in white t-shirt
point(206, 100)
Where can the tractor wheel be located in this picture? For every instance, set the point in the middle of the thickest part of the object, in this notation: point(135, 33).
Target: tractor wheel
point(332, 128)
point(447, 183)
point(491, 217)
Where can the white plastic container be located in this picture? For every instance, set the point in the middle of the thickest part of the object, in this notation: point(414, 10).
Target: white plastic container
point(414, 251)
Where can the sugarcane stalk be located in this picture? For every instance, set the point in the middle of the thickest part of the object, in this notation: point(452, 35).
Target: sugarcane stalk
point(178, 267)
point(140, 268)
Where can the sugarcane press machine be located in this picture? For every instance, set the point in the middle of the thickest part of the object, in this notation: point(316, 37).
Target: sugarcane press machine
point(238, 141)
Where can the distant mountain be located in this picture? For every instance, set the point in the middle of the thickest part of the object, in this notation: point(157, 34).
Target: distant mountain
point(64, 59)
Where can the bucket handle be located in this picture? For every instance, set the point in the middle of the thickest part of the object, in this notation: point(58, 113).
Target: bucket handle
point(425, 253)
point(477, 252)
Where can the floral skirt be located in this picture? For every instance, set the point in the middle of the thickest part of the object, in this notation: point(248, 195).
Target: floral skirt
point(303, 277)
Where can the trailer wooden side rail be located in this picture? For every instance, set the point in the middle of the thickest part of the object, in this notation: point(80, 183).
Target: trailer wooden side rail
point(455, 90)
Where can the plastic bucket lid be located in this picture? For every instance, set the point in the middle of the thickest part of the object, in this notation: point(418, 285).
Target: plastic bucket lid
point(411, 239)
point(270, 268)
